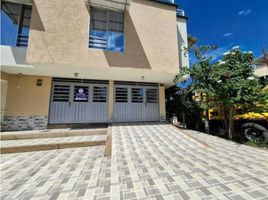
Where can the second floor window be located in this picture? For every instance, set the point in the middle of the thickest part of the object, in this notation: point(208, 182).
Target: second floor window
point(15, 24)
point(106, 30)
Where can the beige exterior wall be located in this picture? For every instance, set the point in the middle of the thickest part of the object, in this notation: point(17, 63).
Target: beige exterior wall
point(59, 36)
point(25, 98)
point(162, 101)
point(4, 76)
point(4, 87)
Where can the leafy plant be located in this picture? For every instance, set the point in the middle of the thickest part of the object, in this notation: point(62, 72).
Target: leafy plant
point(228, 84)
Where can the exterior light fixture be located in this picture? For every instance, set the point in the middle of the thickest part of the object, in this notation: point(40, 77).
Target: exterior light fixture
point(142, 77)
point(76, 74)
point(39, 82)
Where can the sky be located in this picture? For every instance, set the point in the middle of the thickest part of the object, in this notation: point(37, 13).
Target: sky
point(228, 23)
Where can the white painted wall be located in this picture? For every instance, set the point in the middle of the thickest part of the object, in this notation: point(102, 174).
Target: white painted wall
point(13, 56)
point(183, 41)
point(262, 71)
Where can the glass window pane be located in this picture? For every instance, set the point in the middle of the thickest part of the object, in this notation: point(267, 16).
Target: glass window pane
point(98, 39)
point(9, 23)
point(116, 41)
point(106, 30)
point(116, 22)
point(15, 24)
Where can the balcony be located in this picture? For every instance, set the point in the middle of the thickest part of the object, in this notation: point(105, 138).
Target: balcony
point(15, 24)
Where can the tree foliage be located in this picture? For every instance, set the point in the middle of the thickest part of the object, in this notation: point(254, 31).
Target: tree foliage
point(228, 84)
point(179, 100)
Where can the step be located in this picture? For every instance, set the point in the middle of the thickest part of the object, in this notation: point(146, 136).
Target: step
point(26, 145)
point(50, 133)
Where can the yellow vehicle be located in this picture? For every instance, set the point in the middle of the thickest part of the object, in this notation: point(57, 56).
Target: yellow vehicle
point(253, 126)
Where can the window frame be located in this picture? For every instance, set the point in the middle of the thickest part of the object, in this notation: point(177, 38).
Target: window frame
point(107, 11)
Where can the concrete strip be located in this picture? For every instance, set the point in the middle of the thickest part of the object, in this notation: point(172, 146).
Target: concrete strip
point(108, 143)
point(42, 147)
point(51, 134)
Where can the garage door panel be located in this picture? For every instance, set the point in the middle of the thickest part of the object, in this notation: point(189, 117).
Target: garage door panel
point(152, 112)
point(99, 112)
point(59, 112)
point(78, 103)
point(136, 103)
point(120, 113)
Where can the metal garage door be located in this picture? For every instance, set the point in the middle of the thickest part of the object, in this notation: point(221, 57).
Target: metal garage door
point(78, 103)
point(136, 103)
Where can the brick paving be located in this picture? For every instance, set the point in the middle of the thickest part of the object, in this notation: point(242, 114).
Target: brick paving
point(149, 161)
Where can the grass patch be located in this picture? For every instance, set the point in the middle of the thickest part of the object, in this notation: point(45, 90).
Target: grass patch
point(256, 144)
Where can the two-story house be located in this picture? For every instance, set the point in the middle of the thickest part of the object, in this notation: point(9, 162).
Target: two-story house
point(88, 61)
point(261, 68)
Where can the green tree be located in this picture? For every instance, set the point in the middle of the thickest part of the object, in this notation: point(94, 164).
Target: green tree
point(200, 73)
point(235, 86)
point(228, 84)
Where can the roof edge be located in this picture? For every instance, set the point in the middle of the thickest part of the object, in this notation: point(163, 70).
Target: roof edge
point(166, 3)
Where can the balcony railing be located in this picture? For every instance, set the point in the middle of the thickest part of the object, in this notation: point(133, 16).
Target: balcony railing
point(98, 42)
point(22, 40)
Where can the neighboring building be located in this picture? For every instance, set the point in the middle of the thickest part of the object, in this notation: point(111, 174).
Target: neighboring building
point(88, 61)
point(261, 68)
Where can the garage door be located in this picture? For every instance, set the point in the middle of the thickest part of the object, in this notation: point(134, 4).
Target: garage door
point(78, 103)
point(136, 103)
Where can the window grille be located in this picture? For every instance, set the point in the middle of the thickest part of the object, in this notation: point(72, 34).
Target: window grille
point(121, 95)
point(151, 95)
point(61, 93)
point(137, 95)
point(99, 94)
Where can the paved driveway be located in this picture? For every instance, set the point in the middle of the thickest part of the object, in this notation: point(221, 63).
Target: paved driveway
point(149, 161)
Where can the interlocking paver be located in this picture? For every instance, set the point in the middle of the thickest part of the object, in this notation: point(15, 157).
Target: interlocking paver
point(149, 161)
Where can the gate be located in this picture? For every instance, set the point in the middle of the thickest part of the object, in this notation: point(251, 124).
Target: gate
point(133, 103)
point(78, 103)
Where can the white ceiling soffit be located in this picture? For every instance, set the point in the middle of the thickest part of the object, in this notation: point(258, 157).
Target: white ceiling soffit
point(111, 4)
